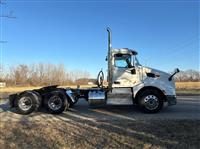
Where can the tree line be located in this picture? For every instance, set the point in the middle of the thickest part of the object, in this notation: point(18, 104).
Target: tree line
point(188, 76)
point(42, 75)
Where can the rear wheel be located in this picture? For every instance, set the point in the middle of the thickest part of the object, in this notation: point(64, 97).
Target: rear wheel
point(55, 102)
point(150, 101)
point(26, 103)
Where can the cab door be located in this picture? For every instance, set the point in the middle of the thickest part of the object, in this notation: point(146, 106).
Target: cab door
point(124, 72)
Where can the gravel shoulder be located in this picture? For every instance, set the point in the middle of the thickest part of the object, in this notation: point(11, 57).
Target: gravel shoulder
point(103, 127)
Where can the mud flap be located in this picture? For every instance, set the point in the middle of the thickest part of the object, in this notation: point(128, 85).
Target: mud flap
point(12, 100)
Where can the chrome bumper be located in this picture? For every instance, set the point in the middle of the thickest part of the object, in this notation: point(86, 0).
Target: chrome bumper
point(171, 99)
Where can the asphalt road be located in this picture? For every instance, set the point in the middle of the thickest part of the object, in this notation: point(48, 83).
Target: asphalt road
point(188, 107)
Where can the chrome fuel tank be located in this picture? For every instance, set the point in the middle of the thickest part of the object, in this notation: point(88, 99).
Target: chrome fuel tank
point(96, 97)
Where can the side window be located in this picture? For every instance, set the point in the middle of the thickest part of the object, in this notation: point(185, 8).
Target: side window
point(122, 61)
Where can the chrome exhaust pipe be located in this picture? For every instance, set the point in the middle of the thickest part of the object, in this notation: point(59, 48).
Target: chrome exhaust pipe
point(109, 38)
point(109, 59)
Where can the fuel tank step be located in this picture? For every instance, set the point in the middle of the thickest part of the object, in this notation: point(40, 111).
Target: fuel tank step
point(120, 96)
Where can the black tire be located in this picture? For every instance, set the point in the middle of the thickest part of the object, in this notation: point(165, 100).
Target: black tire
point(38, 98)
point(26, 103)
point(56, 102)
point(150, 101)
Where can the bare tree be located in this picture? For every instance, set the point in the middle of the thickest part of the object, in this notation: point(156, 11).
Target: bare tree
point(188, 75)
point(48, 74)
point(20, 74)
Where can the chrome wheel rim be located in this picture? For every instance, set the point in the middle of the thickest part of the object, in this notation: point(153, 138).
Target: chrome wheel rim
point(25, 103)
point(55, 102)
point(151, 102)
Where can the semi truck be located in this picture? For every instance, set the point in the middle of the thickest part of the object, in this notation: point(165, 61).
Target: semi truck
point(128, 83)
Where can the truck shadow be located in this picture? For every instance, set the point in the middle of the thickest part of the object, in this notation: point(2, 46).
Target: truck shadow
point(4, 107)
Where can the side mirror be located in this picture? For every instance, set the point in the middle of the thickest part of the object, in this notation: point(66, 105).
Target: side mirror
point(177, 70)
point(132, 70)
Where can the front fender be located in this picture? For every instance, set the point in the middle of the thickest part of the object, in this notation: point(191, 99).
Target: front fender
point(168, 88)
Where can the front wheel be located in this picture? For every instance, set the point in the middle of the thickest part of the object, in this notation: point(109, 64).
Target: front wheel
point(150, 101)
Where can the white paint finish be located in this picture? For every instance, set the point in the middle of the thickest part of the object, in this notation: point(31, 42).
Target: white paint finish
point(120, 101)
point(120, 96)
point(126, 90)
point(161, 82)
point(122, 77)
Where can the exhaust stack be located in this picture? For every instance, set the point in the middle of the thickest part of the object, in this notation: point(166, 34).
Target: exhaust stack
point(109, 39)
point(109, 58)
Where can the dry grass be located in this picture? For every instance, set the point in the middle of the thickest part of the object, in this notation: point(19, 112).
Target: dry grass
point(77, 134)
point(16, 89)
point(182, 87)
point(20, 89)
point(5, 92)
point(188, 85)
point(179, 85)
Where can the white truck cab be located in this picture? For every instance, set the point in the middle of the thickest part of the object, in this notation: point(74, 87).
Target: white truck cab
point(129, 82)
point(128, 72)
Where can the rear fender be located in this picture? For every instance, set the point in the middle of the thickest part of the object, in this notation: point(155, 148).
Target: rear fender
point(68, 99)
point(12, 98)
point(70, 96)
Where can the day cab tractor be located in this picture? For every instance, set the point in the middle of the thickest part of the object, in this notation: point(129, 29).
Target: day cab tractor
point(129, 83)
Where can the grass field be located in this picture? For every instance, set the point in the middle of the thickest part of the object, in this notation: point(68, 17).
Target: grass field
point(187, 85)
point(188, 88)
point(19, 89)
point(179, 85)
point(4, 92)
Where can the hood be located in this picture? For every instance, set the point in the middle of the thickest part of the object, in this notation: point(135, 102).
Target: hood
point(159, 79)
point(156, 72)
